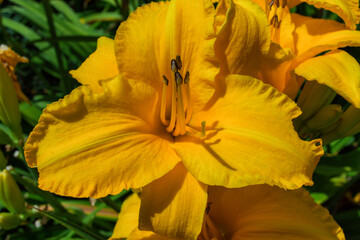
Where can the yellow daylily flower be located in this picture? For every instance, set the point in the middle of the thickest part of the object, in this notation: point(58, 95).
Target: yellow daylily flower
point(9, 59)
point(295, 43)
point(253, 212)
point(158, 110)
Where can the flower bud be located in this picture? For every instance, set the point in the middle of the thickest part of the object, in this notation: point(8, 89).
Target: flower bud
point(349, 125)
point(3, 161)
point(325, 117)
point(313, 99)
point(10, 193)
point(9, 107)
point(9, 221)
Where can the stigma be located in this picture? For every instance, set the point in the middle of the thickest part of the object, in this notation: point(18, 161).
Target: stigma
point(175, 111)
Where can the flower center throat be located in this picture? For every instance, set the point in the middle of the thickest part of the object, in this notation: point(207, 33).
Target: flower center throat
point(180, 102)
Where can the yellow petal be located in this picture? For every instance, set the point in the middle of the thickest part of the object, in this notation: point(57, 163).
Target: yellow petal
point(145, 235)
point(174, 205)
point(127, 223)
point(98, 66)
point(337, 70)
point(348, 10)
point(157, 32)
point(243, 39)
point(92, 145)
point(128, 218)
point(264, 212)
point(249, 140)
point(315, 36)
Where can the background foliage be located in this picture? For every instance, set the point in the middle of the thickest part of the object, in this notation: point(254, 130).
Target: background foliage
point(57, 36)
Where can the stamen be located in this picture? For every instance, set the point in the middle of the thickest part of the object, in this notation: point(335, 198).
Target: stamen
point(188, 98)
point(187, 77)
point(174, 67)
point(166, 81)
point(178, 62)
point(274, 20)
point(215, 232)
point(277, 2)
point(163, 103)
point(171, 126)
point(284, 3)
point(271, 3)
point(181, 111)
point(178, 78)
point(180, 120)
point(203, 123)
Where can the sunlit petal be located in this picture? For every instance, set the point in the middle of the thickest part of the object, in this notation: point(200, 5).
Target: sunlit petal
point(243, 38)
point(92, 145)
point(348, 10)
point(264, 212)
point(337, 70)
point(128, 219)
point(98, 66)
point(168, 29)
point(174, 205)
point(249, 139)
point(323, 35)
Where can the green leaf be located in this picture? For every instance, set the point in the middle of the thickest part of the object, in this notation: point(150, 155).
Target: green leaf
point(48, 197)
point(12, 136)
point(62, 7)
point(103, 16)
point(349, 221)
point(83, 232)
point(30, 113)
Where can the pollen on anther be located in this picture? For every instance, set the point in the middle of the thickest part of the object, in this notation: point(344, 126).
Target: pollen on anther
point(166, 81)
point(178, 78)
point(187, 77)
point(174, 67)
point(178, 62)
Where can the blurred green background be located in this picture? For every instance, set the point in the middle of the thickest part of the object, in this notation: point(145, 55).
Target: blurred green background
point(57, 36)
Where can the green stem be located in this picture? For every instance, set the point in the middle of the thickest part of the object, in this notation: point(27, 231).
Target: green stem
point(65, 83)
point(110, 203)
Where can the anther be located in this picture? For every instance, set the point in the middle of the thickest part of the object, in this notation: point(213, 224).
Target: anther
point(166, 81)
point(271, 3)
point(274, 21)
point(277, 2)
point(178, 78)
point(187, 77)
point(203, 123)
point(174, 67)
point(284, 3)
point(178, 62)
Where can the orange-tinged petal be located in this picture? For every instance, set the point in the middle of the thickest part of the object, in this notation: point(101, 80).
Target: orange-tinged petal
point(322, 34)
point(249, 139)
point(128, 218)
point(265, 212)
point(98, 66)
point(337, 70)
point(348, 10)
point(174, 205)
point(243, 39)
point(127, 223)
point(92, 145)
point(157, 32)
